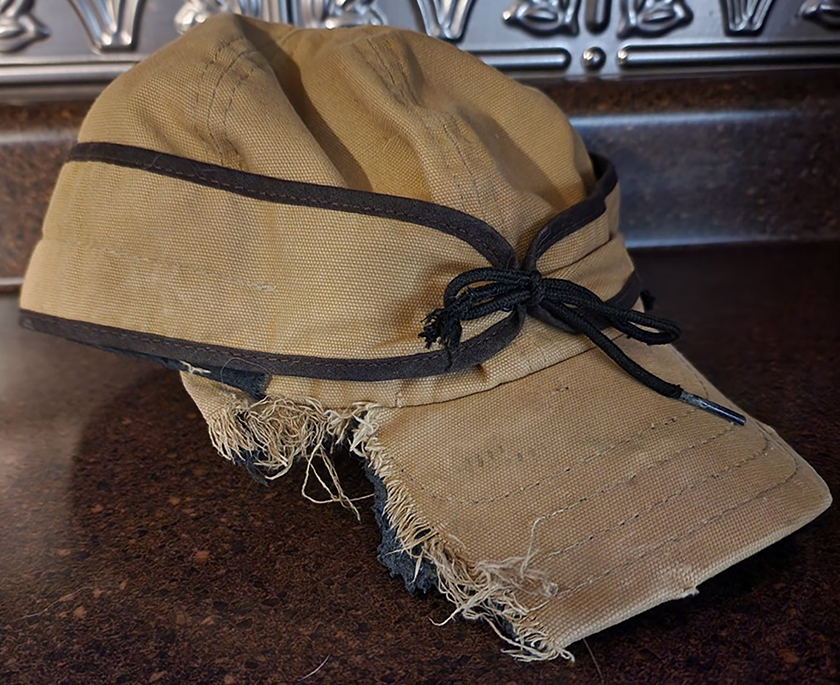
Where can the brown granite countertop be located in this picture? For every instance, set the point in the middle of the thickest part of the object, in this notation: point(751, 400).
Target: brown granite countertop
point(131, 553)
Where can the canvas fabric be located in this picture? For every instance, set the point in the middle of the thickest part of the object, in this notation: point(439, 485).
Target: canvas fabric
point(544, 489)
point(620, 499)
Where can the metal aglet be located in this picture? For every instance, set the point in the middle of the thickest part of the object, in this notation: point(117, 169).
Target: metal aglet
point(712, 408)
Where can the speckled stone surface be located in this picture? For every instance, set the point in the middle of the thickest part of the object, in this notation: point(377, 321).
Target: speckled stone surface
point(713, 160)
point(132, 553)
point(700, 160)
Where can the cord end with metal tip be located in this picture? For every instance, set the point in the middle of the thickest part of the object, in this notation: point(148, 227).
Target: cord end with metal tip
point(712, 408)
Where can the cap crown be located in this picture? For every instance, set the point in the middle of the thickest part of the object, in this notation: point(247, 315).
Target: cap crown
point(296, 201)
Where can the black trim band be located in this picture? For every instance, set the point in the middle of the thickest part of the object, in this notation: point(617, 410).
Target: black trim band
point(486, 240)
point(470, 353)
point(481, 236)
point(475, 232)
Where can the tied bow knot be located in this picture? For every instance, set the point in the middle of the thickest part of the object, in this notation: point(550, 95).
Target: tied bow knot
point(505, 289)
point(558, 302)
point(565, 305)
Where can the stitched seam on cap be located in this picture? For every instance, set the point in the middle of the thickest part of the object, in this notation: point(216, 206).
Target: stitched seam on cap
point(583, 542)
point(212, 59)
point(554, 476)
point(246, 55)
point(401, 95)
point(261, 287)
point(704, 524)
point(444, 119)
point(212, 100)
point(257, 285)
point(627, 479)
point(276, 48)
point(243, 79)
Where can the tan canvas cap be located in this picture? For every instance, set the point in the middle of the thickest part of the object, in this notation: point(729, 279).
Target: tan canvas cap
point(367, 237)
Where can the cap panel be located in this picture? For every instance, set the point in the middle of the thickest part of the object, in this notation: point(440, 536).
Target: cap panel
point(196, 111)
point(491, 165)
point(372, 108)
point(383, 106)
point(260, 116)
point(180, 114)
point(237, 272)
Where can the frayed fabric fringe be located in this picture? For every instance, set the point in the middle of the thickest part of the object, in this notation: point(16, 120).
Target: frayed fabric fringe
point(270, 435)
point(278, 431)
point(485, 590)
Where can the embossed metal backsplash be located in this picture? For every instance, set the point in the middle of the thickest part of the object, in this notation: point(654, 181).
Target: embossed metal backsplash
point(84, 41)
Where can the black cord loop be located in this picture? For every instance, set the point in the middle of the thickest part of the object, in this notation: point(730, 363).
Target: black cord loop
point(565, 305)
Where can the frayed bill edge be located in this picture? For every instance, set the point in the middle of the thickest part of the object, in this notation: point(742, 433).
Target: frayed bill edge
point(270, 434)
point(485, 590)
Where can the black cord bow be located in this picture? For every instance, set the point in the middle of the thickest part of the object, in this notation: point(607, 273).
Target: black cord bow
point(565, 305)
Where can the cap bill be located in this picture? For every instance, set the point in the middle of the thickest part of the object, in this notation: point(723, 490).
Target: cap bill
point(569, 500)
